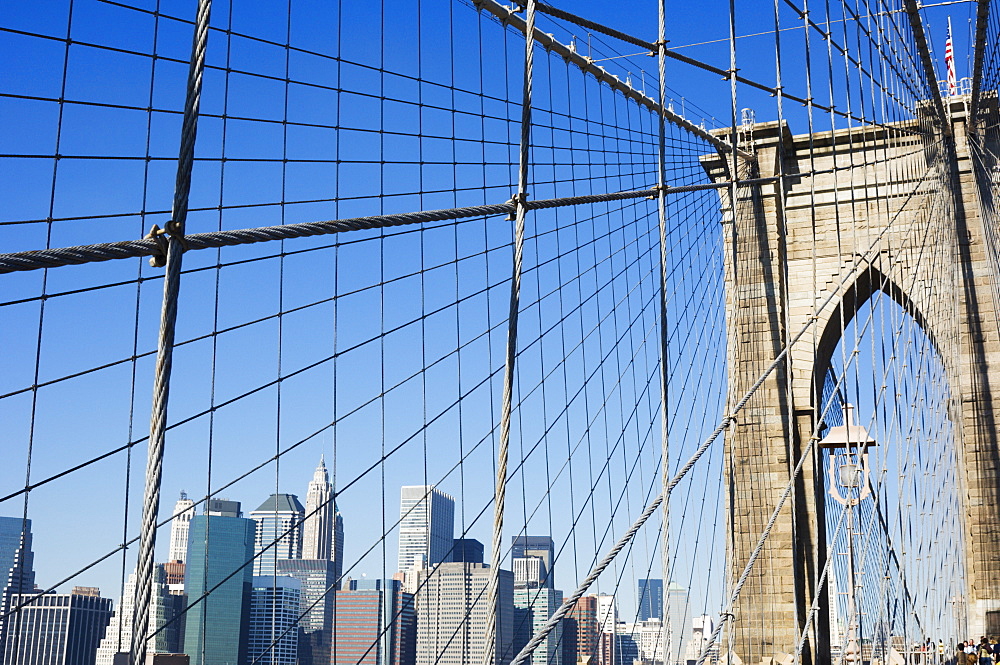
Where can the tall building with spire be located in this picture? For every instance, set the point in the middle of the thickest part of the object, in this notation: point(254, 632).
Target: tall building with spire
point(323, 529)
point(179, 527)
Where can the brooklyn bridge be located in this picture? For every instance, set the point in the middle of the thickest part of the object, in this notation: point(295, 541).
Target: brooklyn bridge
point(484, 334)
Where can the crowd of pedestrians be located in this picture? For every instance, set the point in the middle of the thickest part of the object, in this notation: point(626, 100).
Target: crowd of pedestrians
point(986, 652)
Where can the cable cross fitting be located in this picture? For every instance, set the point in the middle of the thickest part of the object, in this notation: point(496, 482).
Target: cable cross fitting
point(176, 230)
point(158, 235)
point(658, 44)
point(518, 200)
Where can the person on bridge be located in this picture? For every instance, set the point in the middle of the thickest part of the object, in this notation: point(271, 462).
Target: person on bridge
point(970, 653)
point(985, 652)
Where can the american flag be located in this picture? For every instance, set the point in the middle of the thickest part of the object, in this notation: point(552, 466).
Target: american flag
point(949, 62)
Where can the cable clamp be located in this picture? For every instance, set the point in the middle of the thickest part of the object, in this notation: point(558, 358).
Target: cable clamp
point(177, 231)
point(518, 200)
point(158, 235)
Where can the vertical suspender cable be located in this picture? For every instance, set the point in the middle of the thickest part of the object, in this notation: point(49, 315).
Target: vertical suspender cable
point(978, 50)
point(164, 356)
point(520, 199)
point(733, 177)
point(667, 638)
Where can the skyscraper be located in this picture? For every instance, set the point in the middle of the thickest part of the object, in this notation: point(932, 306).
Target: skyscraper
point(174, 575)
point(216, 629)
point(58, 629)
point(607, 612)
point(375, 624)
point(607, 623)
point(426, 527)
point(338, 541)
point(278, 519)
point(618, 649)
point(274, 611)
point(537, 606)
point(468, 550)
point(539, 547)
point(680, 620)
point(17, 574)
point(529, 572)
point(650, 637)
point(581, 633)
point(452, 615)
point(323, 529)
point(650, 599)
point(223, 508)
point(701, 629)
point(165, 610)
point(183, 512)
point(318, 581)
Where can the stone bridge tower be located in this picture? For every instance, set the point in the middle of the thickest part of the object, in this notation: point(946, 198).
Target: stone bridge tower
point(844, 215)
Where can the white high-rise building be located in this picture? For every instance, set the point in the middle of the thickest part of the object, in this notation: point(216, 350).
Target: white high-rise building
point(179, 525)
point(835, 623)
point(680, 618)
point(164, 609)
point(701, 629)
point(426, 527)
point(528, 572)
point(323, 529)
point(452, 615)
point(607, 613)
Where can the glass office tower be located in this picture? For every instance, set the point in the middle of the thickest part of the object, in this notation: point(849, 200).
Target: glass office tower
point(217, 628)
